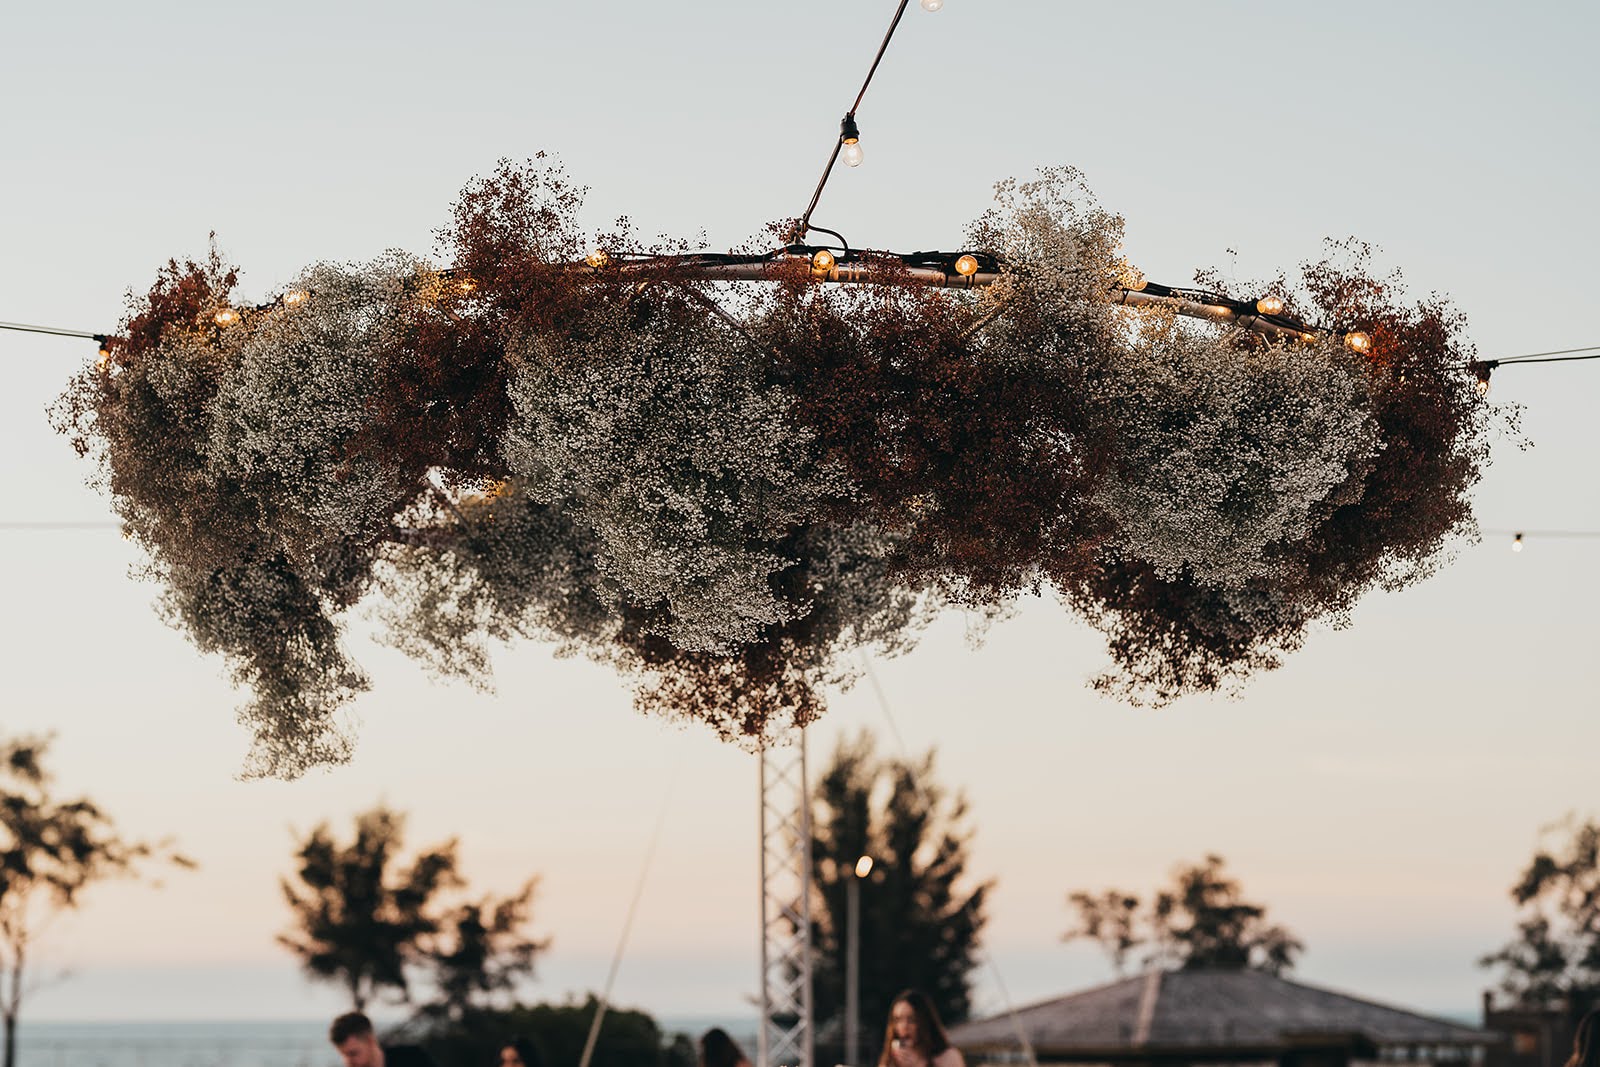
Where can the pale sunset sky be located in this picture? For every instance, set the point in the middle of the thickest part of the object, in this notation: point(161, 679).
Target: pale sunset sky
point(1380, 792)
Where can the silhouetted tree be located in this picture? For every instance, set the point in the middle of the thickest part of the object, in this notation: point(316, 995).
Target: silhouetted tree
point(360, 921)
point(1201, 921)
point(919, 924)
point(50, 851)
point(1555, 958)
point(482, 952)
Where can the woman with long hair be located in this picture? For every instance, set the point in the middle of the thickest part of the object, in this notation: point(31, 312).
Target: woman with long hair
point(915, 1037)
point(718, 1050)
point(519, 1052)
point(1586, 1041)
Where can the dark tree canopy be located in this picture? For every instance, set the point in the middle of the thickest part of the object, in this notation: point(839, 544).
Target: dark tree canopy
point(360, 918)
point(482, 952)
point(1201, 920)
point(628, 1038)
point(921, 917)
point(51, 850)
point(1555, 957)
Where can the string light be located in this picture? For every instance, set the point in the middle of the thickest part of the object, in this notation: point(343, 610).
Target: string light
point(1270, 305)
point(822, 260)
point(850, 137)
point(225, 317)
point(466, 285)
point(597, 258)
point(1481, 369)
point(967, 265)
point(1516, 542)
point(295, 297)
point(1358, 341)
point(932, 5)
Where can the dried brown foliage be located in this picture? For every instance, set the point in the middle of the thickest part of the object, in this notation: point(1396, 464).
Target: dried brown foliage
point(724, 490)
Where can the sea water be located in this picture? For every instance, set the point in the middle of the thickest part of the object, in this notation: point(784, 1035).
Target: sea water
point(254, 1044)
point(239, 1044)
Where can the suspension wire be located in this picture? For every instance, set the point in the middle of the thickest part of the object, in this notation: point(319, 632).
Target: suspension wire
point(805, 218)
point(52, 524)
point(983, 951)
point(1558, 352)
point(894, 24)
point(604, 1000)
point(23, 327)
point(1542, 359)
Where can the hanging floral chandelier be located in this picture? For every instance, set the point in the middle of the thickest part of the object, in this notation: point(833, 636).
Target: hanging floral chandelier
point(725, 478)
point(726, 490)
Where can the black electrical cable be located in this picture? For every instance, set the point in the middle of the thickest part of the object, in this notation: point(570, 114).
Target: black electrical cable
point(838, 143)
point(1542, 359)
point(22, 327)
point(1529, 357)
point(882, 48)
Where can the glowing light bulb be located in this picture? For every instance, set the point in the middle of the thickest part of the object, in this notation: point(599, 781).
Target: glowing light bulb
point(822, 260)
point(932, 5)
point(466, 285)
point(295, 297)
point(1270, 305)
point(1358, 341)
point(1516, 543)
point(103, 361)
point(967, 265)
point(852, 154)
point(1308, 337)
point(1481, 369)
point(225, 317)
point(597, 258)
point(864, 864)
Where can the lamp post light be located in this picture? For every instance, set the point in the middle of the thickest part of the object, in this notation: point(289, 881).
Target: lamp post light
point(852, 963)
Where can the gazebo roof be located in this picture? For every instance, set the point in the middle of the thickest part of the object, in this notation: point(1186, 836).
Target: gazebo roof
point(1207, 1011)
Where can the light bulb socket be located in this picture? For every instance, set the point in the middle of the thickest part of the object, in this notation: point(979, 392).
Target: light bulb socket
point(849, 132)
point(1481, 369)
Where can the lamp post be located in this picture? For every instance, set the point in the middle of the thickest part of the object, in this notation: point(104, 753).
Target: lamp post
point(852, 963)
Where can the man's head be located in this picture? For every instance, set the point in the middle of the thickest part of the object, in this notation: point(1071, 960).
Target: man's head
point(356, 1041)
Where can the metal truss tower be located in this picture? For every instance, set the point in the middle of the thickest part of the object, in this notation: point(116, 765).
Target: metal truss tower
point(786, 1038)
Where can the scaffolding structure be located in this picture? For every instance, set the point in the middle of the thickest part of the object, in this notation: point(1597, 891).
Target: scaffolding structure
point(785, 1038)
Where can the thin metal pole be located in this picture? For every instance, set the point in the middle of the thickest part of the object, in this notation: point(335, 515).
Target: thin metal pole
point(763, 1052)
point(809, 1041)
point(852, 971)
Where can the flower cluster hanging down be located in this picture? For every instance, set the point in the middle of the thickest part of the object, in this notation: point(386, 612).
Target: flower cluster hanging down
point(725, 490)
